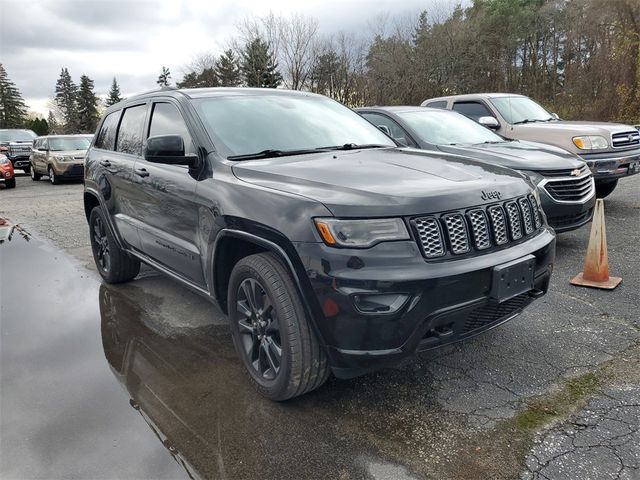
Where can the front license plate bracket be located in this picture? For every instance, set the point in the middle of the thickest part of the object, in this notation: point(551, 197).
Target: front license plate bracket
point(512, 279)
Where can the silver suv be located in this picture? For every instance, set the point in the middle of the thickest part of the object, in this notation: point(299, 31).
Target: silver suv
point(611, 150)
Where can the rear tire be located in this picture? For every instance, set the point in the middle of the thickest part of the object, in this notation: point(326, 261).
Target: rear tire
point(604, 189)
point(34, 175)
point(269, 321)
point(11, 183)
point(114, 264)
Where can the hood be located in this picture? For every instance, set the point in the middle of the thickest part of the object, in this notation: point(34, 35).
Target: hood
point(384, 182)
point(571, 128)
point(519, 155)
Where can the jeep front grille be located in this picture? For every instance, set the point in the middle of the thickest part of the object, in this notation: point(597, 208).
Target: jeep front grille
point(479, 229)
point(430, 236)
point(625, 139)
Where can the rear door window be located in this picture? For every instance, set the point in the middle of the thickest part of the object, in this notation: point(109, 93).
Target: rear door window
point(129, 138)
point(107, 134)
point(473, 110)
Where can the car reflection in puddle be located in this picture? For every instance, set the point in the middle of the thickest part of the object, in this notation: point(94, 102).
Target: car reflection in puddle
point(64, 416)
point(191, 390)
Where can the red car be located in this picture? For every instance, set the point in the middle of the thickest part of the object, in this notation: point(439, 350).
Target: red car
point(7, 176)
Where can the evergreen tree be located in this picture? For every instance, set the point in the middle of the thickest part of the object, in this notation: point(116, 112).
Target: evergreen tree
point(228, 70)
point(13, 110)
point(67, 101)
point(52, 123)
point(38, 125)
point(259, 68)
point(206, 78)
point(164, 77)
point(87, 106)
point(114, 94)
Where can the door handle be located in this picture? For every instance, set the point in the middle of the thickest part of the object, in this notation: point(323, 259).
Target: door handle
point(105, 163)
point(141, 172)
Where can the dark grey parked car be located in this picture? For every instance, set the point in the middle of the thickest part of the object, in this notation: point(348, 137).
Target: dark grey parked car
point(566, 185)
point(330, 248)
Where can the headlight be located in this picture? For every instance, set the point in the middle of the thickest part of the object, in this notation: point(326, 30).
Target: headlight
point(360, 233)
point(4, 160)
point(536, 195)
point(590, 142)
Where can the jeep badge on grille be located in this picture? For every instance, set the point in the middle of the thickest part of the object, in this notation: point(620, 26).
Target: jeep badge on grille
point(493, 195)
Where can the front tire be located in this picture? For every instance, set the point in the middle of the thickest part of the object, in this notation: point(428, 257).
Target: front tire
point(271, 331)
point(604, 189)
point(114, 264)
point(11, 183)
point(34, 175)
point(53, 178)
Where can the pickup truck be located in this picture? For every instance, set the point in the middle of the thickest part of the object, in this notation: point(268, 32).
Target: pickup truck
point(16, 145)
point(611, 150)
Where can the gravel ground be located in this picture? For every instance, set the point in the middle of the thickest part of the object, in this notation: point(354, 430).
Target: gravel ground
point(470, 410)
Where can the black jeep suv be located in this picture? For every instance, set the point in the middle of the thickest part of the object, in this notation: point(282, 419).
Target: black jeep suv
point(329, 248)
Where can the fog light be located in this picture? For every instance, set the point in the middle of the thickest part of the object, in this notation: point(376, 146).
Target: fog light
point(7, 174)
point(382, 303)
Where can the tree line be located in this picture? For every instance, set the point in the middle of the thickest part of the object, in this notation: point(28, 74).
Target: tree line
point(579, 58)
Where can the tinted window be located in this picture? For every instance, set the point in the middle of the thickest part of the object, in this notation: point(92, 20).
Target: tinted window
point(130, 130)
point(166, 119)
point(441, 104)
point(107, 135)
point(244, 124)
point(473, 110)
point(396, 131)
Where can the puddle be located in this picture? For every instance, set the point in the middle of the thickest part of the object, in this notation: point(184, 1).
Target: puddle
point(92, 385)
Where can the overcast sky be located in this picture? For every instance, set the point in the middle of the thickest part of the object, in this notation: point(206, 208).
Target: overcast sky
point(132, 40)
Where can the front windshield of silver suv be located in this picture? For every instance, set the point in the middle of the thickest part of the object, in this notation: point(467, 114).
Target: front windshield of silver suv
point(284, 123)
point(517, 110)
point(61, 144)
point(448, 128)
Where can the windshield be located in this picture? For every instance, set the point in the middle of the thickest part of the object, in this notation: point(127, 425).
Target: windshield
point(246, 124)
point(520, 110)
point(68, 143)
point(17, 136)
point(447, 128)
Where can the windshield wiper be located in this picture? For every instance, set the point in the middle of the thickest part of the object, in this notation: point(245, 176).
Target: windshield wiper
point(526, 120)
point(271, 153)
point(354, 146)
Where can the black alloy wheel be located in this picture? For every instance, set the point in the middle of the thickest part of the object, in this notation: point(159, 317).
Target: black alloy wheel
point(101, 242)
point(259, 329)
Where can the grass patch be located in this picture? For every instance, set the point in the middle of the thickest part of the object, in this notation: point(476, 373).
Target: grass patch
point(545, 409)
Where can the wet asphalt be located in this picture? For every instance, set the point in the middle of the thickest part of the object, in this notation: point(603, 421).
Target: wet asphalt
point(141, 380)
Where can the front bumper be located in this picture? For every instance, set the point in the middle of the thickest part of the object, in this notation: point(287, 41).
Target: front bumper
point(20, 161)
point(445, 301)
point(567, 216)
point(69, 170)
point(613, 165)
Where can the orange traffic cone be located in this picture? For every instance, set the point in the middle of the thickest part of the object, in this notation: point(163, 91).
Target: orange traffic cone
point(596, 265)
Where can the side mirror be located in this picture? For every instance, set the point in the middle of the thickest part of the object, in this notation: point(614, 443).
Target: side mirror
point(489, 122)
point(555, 116)
point(168, 149)
point(385, 129)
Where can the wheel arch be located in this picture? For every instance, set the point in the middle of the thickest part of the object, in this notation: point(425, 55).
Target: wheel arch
point(242, 244)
